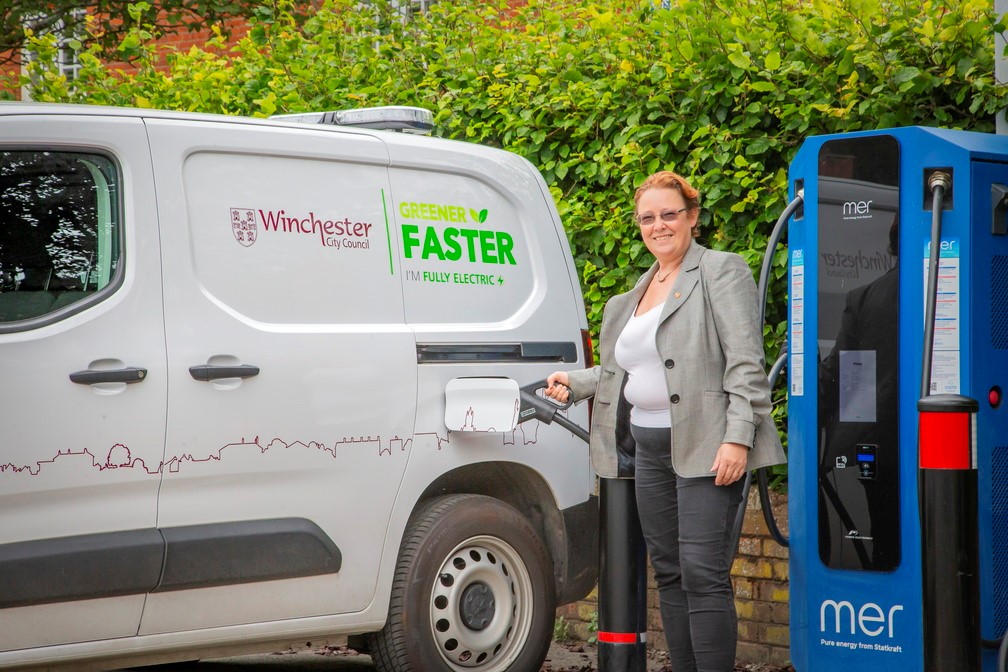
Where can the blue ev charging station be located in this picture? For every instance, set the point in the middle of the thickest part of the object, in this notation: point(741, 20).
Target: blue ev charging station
point(859, 250)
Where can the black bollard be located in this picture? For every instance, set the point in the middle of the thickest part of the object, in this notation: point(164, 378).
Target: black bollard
point(622, 594)
point(947, 478)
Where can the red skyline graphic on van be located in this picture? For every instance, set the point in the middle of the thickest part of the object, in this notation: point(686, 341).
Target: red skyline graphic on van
point(119, 456)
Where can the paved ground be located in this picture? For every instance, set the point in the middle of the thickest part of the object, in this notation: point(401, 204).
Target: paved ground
point(562, 657)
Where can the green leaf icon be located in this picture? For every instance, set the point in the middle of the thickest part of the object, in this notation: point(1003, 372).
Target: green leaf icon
point(482, 215)
point(474, 215)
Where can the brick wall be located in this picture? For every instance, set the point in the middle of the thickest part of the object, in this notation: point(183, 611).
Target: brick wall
point(185, 39)
point(760, 575)
point(178, 42)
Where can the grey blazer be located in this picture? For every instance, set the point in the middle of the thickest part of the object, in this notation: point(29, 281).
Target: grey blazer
point(711, 345)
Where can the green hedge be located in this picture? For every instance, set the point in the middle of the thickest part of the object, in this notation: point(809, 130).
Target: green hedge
point(599, 94)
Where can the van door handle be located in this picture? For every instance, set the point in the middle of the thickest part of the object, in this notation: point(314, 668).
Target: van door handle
point(206, 372)
point(129, 374)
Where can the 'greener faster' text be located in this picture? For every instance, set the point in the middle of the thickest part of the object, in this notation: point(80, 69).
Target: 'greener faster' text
point(454, 244)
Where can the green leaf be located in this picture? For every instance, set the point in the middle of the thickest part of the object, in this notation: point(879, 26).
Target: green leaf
point(758, 146)
point(740, 59)
point(136, 10)
point(905, 73)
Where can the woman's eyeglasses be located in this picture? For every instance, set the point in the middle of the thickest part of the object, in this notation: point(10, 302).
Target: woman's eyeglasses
point(667, 216)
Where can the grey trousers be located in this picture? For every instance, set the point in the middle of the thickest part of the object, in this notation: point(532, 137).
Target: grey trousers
point(687, 525)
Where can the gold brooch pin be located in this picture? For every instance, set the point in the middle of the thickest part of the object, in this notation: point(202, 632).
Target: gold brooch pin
point(677, 295)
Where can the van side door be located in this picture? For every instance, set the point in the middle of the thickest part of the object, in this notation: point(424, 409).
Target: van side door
point(84, 393)
point(292, 375)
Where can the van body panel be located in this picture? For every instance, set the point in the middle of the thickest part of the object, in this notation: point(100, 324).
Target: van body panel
point(466, 245)
point(334, 397)
point(79, 459)
point(475, 244)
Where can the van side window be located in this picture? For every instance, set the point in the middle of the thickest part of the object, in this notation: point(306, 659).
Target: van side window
point(59, 230)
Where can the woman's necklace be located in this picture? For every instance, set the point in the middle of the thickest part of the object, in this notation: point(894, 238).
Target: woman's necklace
point(670, 271)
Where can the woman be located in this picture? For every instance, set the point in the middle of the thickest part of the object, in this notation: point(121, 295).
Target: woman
point(684, 350)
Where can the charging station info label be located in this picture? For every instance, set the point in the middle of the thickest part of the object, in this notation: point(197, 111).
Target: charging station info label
point(946, 357)
point(797, 366)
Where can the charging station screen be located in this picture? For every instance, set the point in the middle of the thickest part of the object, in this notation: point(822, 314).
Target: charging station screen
point(858, 291)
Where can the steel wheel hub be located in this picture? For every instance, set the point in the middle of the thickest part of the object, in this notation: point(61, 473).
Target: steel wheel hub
point(481, 605)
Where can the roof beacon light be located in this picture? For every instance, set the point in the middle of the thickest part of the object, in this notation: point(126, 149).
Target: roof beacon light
point(388, 118)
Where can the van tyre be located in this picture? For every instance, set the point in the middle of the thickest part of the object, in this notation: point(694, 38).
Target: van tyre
point(473, 592)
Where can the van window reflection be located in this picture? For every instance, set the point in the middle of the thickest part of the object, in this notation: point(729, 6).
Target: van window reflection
point(59, 230)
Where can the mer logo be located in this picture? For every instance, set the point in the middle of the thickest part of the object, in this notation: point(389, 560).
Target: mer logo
point(872, 620)
point(857, 210)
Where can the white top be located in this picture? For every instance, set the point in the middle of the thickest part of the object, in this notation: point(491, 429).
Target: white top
point(637, 354)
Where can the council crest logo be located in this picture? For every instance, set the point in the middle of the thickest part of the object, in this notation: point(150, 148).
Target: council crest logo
point(243, 226)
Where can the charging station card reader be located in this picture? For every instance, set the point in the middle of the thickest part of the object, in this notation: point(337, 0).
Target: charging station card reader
point(867, 465)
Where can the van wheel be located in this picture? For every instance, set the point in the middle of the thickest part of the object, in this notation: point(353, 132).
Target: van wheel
point(473, 592)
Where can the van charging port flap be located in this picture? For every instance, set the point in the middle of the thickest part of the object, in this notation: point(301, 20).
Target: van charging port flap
point(481, 404)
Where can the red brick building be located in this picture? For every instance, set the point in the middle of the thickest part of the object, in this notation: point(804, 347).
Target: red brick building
point(12, 63)
point(194, 34)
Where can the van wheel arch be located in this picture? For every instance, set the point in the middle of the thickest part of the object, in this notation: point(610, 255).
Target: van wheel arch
point(520, 487)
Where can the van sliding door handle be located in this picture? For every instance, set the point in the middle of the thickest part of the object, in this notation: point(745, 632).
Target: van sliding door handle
point(130, 374)
point(206, 372)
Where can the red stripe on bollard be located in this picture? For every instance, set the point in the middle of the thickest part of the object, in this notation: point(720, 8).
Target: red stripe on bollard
point(945, 441)
point(618, 637)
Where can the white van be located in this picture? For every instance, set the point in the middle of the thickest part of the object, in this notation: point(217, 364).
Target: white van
point(225, 345)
